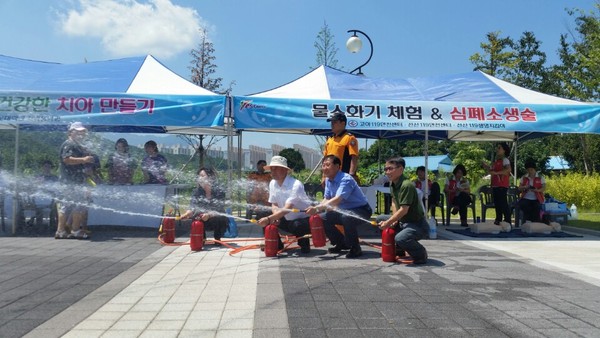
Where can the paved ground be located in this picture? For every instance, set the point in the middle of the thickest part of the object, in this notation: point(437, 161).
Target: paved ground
point(125, 284)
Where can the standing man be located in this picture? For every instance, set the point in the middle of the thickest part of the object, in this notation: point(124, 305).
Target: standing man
point(73, 160)
point(258, 192)
point(343, 145)
point(287, 193)
point(407, 215)
point(343, 203)
point(433, 190)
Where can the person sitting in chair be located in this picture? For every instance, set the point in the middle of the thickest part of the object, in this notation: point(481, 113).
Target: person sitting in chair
point(532, 193)
point(433, 190)
point(458, 190)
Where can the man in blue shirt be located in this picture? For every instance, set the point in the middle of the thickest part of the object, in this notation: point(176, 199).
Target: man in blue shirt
point(343, 203)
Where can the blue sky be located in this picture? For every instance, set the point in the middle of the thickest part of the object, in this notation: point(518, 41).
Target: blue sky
point(261, 44)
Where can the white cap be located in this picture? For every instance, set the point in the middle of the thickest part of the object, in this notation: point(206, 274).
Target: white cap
point(77, 126)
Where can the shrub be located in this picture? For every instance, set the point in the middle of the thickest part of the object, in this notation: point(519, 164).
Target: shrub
point(575, 188)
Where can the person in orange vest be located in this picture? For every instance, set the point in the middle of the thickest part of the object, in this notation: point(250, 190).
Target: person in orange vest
point(458, 190)
point(343, 145)
point(532, 193)
point(433, 190)
point(500, 173)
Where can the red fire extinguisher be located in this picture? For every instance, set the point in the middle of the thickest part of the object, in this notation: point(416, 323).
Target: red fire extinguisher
point(388, 245)
point(197, 235)
point(168, 229)
point(271, 240)
point(317, 230)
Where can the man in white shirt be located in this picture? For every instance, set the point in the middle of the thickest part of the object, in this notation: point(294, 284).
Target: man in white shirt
point(286, 194)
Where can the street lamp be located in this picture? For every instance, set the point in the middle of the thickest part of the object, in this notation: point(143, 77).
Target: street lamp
point(354, 44)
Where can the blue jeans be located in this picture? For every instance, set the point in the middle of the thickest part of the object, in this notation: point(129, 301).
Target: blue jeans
point(350, 219)
point(409, 235)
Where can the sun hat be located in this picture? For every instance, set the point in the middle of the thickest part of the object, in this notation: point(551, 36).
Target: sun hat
point(77, 126)
point(278, 161)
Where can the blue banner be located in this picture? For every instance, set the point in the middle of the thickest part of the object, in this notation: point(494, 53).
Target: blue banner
point(276, 113)
point(108, 109)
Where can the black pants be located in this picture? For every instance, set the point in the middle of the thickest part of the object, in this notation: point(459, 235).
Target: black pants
point(298, 227)
point(530, 210)
point(218, 224)
point(462, 200)
point(501, 204)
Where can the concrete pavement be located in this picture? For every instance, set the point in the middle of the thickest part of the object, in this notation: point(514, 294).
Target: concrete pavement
point(124, 284)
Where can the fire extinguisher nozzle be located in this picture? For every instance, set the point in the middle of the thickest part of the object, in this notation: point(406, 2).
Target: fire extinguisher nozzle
point(253, 221)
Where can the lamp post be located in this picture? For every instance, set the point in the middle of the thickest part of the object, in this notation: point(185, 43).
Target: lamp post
point(354, 44)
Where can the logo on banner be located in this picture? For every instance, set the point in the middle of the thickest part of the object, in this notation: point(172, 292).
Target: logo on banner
point(247, 104)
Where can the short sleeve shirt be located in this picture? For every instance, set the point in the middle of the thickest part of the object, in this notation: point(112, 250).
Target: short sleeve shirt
point(290, 192)
point(344, 185)
point(404, 192)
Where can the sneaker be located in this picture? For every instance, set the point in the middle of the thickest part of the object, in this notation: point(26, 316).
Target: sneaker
point(496, 222)
point(465, 224)
point(338, 248)
point(355, 252)
point(400, 253)
point(79, 234)
point(61, 235)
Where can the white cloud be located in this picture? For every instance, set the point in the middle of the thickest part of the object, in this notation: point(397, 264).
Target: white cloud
point(129, 27)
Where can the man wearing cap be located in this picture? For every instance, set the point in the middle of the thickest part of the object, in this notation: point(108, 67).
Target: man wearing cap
point(343, 203)
point(72, 205)
point(342, 144)
point(287, 193)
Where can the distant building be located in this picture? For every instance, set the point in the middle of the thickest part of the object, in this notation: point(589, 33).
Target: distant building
point(435, 163)
point(558, 163)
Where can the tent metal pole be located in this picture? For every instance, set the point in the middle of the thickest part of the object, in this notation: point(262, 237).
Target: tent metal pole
point(15, 204)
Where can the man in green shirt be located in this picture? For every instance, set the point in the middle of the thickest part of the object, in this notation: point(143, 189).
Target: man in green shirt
point(407, 216)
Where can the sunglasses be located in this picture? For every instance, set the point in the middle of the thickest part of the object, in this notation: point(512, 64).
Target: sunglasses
point(389, 168)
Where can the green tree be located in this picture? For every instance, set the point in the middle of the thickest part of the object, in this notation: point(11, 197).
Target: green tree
point(203, 69)
point(497, 58)
point(294, 158)
point(326, 49)
point(471, 155)
point(529, 70)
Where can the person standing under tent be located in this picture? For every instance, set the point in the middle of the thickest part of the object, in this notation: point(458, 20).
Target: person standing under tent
point(74, 195)
point(407, 216)
point(154, 165)
point(343, 145)
point(500, 174)
point(343, 203)
point(287, 193)
point(433, 190)
point(120, 164)
point(532, 193)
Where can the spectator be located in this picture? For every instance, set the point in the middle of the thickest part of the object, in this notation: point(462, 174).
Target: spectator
point(532, 189)
point(287, 193)
point(432, 198)
point(120, 165)
point(407, 214)
point(154, 165)
point(343, 203)
point(258, 192)
point(458, 190)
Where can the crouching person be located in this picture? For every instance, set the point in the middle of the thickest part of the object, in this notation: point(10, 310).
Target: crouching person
point(286, 194)
point(343, 203)
point(407, 214)
point(207, 202)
